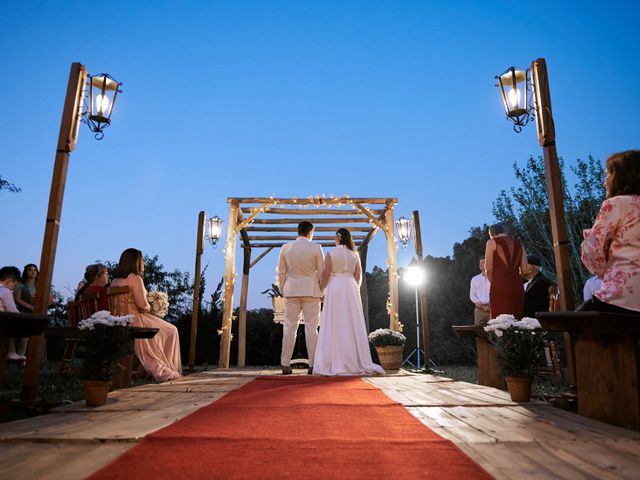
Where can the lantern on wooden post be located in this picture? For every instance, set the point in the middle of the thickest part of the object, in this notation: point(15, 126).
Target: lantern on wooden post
point(214, 229)
point(103, 90)
point(403, 227)
point(516, 90)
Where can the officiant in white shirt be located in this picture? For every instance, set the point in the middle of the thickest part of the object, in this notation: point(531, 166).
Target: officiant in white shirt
point(479, 295)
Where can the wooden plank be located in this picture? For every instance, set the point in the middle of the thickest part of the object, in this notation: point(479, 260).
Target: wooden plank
point(307, 212)
point(259, 257)
point(229, 280)
point(46, 461)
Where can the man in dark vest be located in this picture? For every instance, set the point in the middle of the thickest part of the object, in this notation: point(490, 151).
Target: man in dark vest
point(536, 290)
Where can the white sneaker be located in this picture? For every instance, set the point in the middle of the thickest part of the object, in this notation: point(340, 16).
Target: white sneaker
point(13, 356)
point(22, 357)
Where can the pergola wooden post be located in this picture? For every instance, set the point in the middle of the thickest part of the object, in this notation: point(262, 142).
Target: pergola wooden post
point(328, 214)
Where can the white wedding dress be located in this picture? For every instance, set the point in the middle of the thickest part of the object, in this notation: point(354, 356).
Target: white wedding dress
point(343, 345)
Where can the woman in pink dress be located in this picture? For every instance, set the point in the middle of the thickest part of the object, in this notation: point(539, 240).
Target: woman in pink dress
point(160, 355)
point(611, 249)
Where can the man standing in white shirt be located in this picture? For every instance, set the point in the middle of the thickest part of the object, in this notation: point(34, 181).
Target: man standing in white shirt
point(300, 268)
point(479, 295)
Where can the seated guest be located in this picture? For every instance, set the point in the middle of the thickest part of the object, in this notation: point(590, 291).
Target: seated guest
point(611, 249)
point(536, 290)
point(160, 355)
point(591, 286)
point(97, 277)
point(9, 279)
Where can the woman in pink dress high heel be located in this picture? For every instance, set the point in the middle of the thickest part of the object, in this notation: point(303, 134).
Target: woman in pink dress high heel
point(160, 355)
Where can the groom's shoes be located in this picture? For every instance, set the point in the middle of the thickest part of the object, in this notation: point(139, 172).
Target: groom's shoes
point(310, 371)
point(286, 370)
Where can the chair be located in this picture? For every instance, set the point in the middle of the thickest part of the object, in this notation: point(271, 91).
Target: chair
point(551, 348)
point(69, 353)
point(118, 298)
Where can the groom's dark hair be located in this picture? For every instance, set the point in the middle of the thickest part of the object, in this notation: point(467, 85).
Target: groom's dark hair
point(304, 228)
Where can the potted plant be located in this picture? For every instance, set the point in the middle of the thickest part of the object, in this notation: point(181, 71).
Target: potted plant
point(106, 339)
point(520, 345)
point(389, 347)
point(277, 300)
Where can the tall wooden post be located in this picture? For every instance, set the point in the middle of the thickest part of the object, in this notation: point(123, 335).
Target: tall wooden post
point(394, 322)
point(547, 139)
point(242, 326)
point(364, 296)
point(229, 281)
point(66, 143)
point(202, 217)
point(423, 291)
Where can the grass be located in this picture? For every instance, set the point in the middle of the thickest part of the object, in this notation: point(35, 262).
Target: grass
point(53, 390)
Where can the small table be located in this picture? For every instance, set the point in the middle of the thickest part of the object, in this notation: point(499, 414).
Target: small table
point(488, 369)
point(19, 325)
point(606, 358)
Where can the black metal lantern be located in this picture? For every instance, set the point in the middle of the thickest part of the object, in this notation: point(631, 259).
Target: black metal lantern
point(515, 89)
point(214, 229)
point(403, 227)
point(103, 90)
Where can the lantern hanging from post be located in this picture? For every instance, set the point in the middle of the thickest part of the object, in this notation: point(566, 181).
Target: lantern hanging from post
point(214, 229)
point(515, 89)
point(103, 90)
point(403, 227)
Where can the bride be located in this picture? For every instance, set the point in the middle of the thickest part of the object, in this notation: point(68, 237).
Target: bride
point(343, 347)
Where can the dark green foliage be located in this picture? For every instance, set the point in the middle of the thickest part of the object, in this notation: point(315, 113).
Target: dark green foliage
point(518, 351)
point(524, 211)
point(103, 348)
point(5, 185)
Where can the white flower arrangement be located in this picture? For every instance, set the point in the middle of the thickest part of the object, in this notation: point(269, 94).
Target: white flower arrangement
point(520, 343)
point(104, 317)
point(385, 337)
point(159, 302)
point(503, 322)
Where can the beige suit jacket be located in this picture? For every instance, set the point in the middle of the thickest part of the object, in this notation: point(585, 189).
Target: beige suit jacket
point(300, 268)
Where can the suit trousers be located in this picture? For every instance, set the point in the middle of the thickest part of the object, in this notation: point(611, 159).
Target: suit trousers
point(293, 306)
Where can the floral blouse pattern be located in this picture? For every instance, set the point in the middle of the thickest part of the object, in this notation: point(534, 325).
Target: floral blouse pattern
point(611, 250)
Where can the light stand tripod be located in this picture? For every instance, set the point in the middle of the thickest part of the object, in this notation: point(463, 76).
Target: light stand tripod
point(416, 351)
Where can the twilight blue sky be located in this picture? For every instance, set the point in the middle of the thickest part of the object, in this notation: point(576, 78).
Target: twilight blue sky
point(292, 98)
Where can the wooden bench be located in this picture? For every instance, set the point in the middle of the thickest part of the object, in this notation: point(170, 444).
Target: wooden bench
point(607, 363)
point(19, 325)
point(488, 367)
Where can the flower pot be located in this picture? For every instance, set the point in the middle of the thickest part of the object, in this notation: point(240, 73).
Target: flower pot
point(519, 388)
point(95, 392)
point(278, 309)
point(390, 356)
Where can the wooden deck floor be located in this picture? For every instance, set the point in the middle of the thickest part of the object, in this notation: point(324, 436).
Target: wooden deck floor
point(509, 440)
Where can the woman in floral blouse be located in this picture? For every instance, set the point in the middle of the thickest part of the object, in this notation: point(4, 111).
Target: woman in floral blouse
point(611, 249)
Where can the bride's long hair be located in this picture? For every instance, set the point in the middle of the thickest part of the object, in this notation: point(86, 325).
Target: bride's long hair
point(344, 238)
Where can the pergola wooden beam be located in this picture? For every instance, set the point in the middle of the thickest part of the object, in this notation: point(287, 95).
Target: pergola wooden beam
point(279, 221)
point(305, 211)
point(291, 238)
point(344, 200)
point(281, 244)
point(295, 229)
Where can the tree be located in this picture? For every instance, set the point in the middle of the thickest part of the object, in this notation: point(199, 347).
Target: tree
point(524, 211)
point(5, 185)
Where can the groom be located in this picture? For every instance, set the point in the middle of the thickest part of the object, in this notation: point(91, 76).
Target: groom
point(299, 272)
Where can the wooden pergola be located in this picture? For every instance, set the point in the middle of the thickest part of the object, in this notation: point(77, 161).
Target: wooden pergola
point(278, 225)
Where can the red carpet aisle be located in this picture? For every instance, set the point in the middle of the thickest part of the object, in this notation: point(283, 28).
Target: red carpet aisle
point(296, 428)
